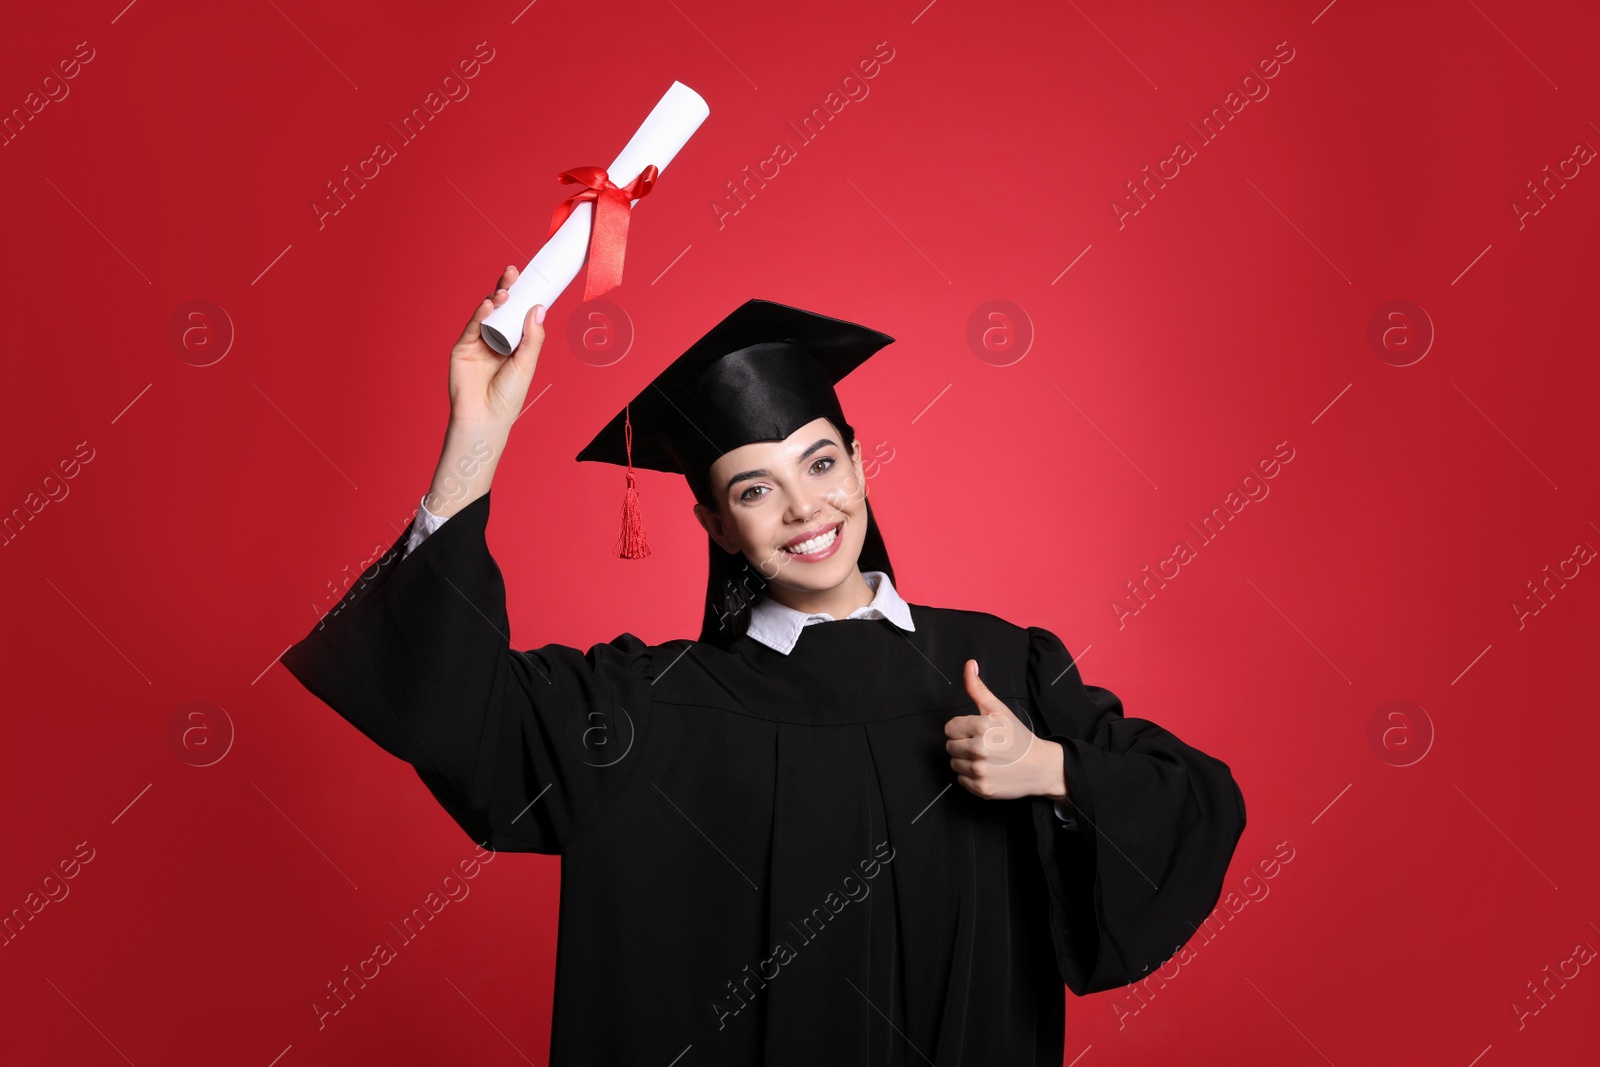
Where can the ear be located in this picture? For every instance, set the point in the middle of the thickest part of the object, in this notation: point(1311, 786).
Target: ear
point(713, 525)
point(855, 461)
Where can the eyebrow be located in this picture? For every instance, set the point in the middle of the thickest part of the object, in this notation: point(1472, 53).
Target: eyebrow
point(764, 473)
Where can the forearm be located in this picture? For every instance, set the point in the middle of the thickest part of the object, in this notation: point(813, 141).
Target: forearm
point(467, 463)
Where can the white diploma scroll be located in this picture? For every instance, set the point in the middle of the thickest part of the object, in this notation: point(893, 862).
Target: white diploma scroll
point(666, 129)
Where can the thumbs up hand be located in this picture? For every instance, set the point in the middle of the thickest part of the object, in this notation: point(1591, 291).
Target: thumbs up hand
point(995, 756)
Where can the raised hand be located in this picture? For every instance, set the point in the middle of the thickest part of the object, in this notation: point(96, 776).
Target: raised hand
point(487, 391)
point(486, 388)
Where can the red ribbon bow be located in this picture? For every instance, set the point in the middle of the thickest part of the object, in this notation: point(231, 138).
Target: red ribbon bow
point(608, 236)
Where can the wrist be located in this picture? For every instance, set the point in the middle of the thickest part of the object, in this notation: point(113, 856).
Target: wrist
point(1055, 783)
point(469, 430)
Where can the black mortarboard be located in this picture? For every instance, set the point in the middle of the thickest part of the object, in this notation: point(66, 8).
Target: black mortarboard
point(758, 375)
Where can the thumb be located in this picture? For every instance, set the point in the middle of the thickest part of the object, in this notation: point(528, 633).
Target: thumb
point(526, 355)
point(976, 689)
point(1001, 732)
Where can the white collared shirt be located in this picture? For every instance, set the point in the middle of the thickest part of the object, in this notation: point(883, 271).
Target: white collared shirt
point(778, 626)
point(773, 624)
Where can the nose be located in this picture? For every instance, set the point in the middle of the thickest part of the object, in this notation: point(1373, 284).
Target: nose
point(802, 513)
point(807, 508)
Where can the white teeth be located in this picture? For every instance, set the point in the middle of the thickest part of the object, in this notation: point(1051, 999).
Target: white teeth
point(816, 544)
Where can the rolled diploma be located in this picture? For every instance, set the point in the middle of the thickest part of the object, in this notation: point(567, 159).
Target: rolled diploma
point(667, 128)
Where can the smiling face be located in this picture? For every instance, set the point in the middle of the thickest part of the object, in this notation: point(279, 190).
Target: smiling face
point(805, 492)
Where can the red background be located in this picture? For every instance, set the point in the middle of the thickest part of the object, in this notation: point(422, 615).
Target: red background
point(1230, 314)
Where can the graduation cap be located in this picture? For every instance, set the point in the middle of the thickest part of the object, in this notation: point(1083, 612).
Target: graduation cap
point(760, 374)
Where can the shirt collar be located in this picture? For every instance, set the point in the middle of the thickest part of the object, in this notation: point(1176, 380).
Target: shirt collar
point(778, 626)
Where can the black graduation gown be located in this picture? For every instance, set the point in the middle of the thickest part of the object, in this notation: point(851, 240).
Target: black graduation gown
point(766, 858)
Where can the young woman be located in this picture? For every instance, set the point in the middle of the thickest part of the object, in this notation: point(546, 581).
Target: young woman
point(814, 835)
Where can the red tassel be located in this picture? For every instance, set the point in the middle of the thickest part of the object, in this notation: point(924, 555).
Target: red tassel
point(630, 541)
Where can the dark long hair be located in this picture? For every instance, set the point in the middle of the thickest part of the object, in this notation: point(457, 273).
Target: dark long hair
point(733, 586)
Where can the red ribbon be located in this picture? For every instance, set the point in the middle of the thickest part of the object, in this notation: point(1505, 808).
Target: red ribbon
point(608, 236)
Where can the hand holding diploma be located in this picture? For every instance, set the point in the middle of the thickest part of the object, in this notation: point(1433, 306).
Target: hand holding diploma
point(579, 230)
point(487, 391)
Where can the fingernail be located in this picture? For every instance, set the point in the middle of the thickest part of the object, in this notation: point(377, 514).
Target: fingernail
point(538, 314)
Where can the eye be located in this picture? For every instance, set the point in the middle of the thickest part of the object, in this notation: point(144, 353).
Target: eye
point(745, 497)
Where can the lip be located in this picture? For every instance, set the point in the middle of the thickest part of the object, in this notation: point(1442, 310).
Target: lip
point(813, 532)
point(818, 556)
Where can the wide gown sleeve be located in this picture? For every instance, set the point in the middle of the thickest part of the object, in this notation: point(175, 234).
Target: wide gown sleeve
point(524, 750)
point(1158, 821)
